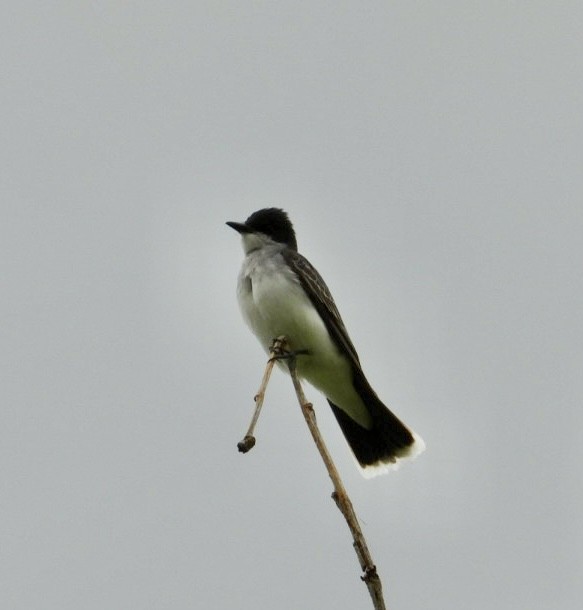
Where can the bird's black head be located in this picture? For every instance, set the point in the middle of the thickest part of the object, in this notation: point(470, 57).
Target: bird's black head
point(272, 222)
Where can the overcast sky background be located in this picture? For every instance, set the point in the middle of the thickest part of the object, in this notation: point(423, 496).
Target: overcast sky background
point(430, 157)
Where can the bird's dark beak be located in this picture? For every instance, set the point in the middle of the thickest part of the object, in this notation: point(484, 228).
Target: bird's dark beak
point(240, 227)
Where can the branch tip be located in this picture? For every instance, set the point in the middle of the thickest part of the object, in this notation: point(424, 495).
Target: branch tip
point(246, 444)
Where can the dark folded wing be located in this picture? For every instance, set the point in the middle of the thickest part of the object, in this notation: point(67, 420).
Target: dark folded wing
point(387, 438)
point(322, 300)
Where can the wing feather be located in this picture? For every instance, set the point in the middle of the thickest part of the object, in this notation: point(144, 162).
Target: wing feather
point(321, 298)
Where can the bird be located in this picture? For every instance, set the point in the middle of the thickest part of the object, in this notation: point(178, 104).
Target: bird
point(280, 293)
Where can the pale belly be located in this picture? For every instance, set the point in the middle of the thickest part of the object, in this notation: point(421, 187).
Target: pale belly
point(273, 307)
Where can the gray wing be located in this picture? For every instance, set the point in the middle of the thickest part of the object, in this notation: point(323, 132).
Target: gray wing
point(320, 296)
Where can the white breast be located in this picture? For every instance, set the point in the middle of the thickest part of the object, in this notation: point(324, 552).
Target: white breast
point(274, 303)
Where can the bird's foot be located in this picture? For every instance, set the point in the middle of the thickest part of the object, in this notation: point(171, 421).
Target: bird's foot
point(279, 352)
point(289, 354)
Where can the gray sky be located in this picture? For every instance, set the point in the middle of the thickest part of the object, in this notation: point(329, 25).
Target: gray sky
point(430, 157)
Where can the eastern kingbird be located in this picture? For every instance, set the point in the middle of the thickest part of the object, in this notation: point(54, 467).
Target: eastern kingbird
point(280, 293)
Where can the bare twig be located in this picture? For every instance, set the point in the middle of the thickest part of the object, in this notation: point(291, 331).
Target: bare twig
point(275, 351)
point(370, 576)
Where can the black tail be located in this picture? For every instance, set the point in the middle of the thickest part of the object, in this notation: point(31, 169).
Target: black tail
point(386, 441)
